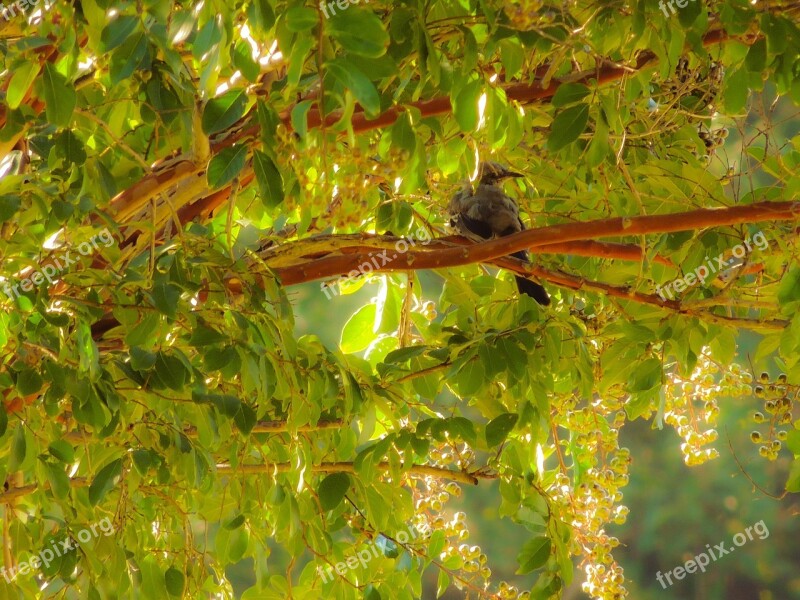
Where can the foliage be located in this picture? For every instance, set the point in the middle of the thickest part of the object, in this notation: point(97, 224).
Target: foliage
point(238, 148)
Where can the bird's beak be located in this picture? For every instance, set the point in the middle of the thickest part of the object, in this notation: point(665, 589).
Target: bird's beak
point(512, 174)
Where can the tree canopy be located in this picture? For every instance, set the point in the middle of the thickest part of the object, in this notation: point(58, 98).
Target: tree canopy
point(192, 193)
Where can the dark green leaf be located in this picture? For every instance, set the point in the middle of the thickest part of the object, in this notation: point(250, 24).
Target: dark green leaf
point(498, 428)
point(117, 31)
point(568, 93)
point(534, 554)
point(332, 490)
point(568, 126)
point(226, 165)
point(223, 111)
point(104, 481)
point(175, 581)
point(270, 182)
point(29, 382)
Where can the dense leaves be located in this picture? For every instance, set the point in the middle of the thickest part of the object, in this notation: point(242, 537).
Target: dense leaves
point(163, 380)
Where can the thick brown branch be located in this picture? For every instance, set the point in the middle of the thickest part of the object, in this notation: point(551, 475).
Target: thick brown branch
point(532, 238)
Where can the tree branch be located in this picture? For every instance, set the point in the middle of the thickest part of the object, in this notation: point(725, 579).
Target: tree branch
point(331, 266)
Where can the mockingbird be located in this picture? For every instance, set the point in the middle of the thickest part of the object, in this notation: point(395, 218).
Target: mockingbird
point(485, 212)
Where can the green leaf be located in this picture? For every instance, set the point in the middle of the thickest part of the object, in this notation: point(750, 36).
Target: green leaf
point(793, 481)
point(171, 371)
point(223, 111)
point(260, 15)
point(358, 333)
point(735, 91)
point(646, 376)
point(153, 584)
point(270, 182)
point(300, 119)
point(245, 419)
point(568, 126)
point(220, 358)
point(359, 84)
point(203, 335)
point(226, 165)
point(789, 290)
point(59, 97)
point(208, 37)
point(534, 554)
point(465, 106)
point(144, 331)
point(512, 56)
point(175, 581)
point(19, 448)
point(359, 31)
point(402, 133)
point(117, 31)
point(21, 80)
point(243, 60)
point(128, 57)
point(142, 460)
point(498, 428)
point(29, 382)
point(227, 405)
point(62, 450)
point(442, 583)
point(599, 146)
point(166, 297)
point(332, 490)
point(569, 93)
point(300, 18)
point(757, 56)
point(105, 481)
point(58, 480)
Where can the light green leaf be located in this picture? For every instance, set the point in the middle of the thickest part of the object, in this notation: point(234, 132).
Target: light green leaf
point(358, 331)
point(20, 83)
point(359, 31)
point(300, 18)
point(359, 84)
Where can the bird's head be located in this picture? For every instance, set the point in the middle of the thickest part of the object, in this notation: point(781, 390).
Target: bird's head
point(491, 172)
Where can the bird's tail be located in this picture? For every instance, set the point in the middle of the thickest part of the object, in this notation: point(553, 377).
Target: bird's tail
point(528, 287)
point(533, 289)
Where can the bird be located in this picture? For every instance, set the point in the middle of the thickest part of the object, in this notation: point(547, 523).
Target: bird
point(486, 211)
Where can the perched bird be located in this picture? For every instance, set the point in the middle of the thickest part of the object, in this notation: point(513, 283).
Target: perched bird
point(486, 211)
